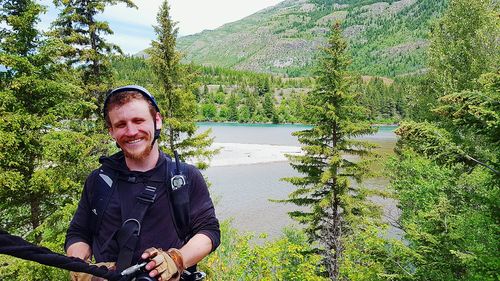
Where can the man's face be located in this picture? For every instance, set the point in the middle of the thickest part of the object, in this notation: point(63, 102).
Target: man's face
point(133, 129)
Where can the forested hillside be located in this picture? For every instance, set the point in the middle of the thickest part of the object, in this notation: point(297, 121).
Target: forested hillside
point(386, 38)
point(243, 96)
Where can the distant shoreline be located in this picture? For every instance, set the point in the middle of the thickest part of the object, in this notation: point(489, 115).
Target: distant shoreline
point(234, 154)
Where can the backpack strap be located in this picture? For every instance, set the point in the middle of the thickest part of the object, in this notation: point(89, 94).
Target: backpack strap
point(177, 175)
point(177, 185)
point(128, 235)
point(104, 186)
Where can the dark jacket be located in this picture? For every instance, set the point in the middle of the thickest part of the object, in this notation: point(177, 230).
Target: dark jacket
point(158, 228)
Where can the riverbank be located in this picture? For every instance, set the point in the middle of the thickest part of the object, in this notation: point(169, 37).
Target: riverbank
point(232, 154)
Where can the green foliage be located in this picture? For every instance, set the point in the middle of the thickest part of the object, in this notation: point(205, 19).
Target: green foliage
point(464, 45)
point(371, 256)
point(336, 208)
point(429, 140)
point(52, 233)
point(86, 47)
point(232, 104)
point(244, 86)
point(476, 110)
point(130, 70)
point(43, 161)
point(175, 94)
point(290, 257)
point(209, 111)
point(38, 95)
point(449, 218)
point(447, 172)
point(268, 106)
point(384, 100)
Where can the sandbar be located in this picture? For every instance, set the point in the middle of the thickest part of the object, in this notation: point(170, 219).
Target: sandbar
point(232, 154)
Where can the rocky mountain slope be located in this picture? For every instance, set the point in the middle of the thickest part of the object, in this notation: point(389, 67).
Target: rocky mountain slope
point(387, 38)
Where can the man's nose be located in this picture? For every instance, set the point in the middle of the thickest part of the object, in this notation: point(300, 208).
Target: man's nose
point(131, 130)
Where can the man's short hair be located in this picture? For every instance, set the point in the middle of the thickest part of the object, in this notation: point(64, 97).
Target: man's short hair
point(122, 98)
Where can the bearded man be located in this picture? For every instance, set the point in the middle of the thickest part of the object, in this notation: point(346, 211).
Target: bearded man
point(129, 208)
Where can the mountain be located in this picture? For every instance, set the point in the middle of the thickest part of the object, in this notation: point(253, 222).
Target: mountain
point(387, 38)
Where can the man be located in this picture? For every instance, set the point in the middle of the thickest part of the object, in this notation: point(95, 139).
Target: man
point(133, 120)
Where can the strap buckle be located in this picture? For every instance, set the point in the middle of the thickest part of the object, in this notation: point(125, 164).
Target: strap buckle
point(137, 222)
point(148, 195)
point(177, 181)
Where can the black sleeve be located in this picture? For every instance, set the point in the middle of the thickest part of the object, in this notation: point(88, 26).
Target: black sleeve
point(202, 211)
point(79, 229)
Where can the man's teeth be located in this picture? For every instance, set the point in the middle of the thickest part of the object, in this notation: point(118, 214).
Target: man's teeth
point(134, 141)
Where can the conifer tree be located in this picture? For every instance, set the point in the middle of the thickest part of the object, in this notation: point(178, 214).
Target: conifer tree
point(334, 203)
point(41, 160)
point(232, 104)
point(175, 93)
point(268, 105)
point(447, 172)
point(251, 103)
point(77, 26)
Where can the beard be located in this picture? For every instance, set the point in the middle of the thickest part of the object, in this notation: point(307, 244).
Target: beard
point(136, 154)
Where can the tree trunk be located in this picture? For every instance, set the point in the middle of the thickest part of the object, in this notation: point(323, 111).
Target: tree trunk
point(334, 245)
point(35, 214)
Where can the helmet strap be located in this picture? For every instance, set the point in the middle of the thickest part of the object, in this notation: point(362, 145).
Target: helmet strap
point(156, 134)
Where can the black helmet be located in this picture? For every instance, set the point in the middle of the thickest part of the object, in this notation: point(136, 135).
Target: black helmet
point(136, 88)
point(139, 89)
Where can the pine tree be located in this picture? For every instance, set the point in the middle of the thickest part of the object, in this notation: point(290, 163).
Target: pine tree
point(232, 104)
point(78, 27)
point(251, 103)
point(268, 105)
point(335, 204)
point(42, 162)
point(175, 94)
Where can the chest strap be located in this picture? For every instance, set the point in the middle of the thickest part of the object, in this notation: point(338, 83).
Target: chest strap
point(128, 235)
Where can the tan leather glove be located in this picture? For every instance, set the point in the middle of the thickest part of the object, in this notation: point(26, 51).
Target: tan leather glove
point(81, 276)
point(169, 264)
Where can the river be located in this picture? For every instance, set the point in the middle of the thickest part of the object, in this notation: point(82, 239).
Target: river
point(243, 192)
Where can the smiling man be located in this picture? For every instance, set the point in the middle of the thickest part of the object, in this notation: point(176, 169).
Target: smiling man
point(140, 201)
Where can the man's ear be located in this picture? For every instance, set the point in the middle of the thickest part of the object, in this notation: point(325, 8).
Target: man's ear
point(158, 120)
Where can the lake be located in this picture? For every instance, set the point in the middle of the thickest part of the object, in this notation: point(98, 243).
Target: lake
point(242, 192)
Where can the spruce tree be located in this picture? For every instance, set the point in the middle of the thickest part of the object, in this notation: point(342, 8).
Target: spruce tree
point(87, 49)
point(175, 94)
point(232, 104)
point(269, 108)
point(334, 204)
point(42, 162)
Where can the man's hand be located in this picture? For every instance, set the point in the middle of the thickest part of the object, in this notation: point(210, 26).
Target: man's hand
point(79, 250)
point(81, 276)
point(167, 265)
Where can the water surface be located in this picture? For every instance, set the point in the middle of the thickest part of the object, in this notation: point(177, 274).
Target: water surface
point(242, 192)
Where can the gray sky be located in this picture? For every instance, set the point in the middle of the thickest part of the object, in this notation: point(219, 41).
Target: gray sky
point(133, 27)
